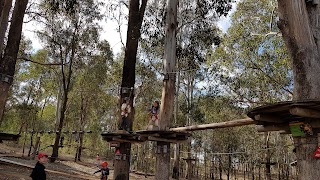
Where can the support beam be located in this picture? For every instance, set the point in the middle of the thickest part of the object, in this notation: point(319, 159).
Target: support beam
point(278, 127)
point(303, 112)
point(151, 138)
point(125, 140)
point(234, 123)
point(268, 118)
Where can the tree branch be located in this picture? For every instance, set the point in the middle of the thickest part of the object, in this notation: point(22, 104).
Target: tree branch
point(124, 3)
point(44, 64)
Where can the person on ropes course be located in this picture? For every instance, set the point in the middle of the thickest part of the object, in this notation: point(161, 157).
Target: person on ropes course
point(154, 114)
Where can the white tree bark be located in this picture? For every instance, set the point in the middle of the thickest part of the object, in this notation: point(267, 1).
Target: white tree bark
point(4, 22)
point(167, 100)
point(299, 24)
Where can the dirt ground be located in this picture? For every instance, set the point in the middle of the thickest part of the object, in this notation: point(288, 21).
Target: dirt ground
point(64, 169)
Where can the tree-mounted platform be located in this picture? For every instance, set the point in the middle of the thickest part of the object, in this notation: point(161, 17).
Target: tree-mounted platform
point(122, 136)
point(278, 116)
point(144, 135)
point(8, 137)
point(164, 136)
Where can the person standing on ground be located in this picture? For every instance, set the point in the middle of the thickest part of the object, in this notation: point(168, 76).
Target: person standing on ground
point(38, 172)
point(104, 170)
point(98, 159)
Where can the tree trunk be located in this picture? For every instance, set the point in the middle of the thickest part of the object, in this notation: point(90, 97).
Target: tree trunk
point(4, 22)
point(167, 99)
point(80, 146)
point(35, 149)
point(1, 5)
point(176, 163)
point(55, 149)
point(8, 61)
point(220, 167)
point(136, 13)
point(83, 117)
point(268, 157)
point(31, 144)
point(229, 166)
point(189, 163)
point(65, 80)
point(299, 25)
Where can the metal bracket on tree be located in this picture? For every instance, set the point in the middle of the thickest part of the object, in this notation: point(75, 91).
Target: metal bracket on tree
point(162, 149)
point(168, 76)
point(126, 91)
point(6, 78)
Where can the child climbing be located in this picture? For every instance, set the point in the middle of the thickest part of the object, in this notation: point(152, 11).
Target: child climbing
point(125, 111)
point(154, 113)
point(104, 170)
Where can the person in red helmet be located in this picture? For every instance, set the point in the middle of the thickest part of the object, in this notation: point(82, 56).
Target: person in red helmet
point(104, 170)
point(38, 172)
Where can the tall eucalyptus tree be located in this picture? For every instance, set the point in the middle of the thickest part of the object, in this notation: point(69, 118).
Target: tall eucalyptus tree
point(136, 10)
point(299, 25)
point(196, 32)
point(70, 33)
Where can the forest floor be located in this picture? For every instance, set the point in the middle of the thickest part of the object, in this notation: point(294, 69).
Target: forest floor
point(13, 166)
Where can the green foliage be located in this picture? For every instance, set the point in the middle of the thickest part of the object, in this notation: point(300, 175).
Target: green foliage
point(252, 63)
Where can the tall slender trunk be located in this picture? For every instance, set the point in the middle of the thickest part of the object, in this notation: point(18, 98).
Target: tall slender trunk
point(136, 13)
point(36, 146)
point(1, 5)
point(176, 163)
point(9, 59)
point(268, 157)
point(4, 22)
point(66, 82)
point(79, 150)
point(167, 99)
point(83, 116)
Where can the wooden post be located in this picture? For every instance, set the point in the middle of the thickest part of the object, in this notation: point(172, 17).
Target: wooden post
point(167, 99)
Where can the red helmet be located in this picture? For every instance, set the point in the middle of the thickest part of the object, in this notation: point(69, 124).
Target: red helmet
point(104, 164)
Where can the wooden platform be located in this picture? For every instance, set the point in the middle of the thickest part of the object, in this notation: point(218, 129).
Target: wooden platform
point(164, 136)
point(122, 136)
point(144, 135)
point(277, 116)
point(8, 137)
